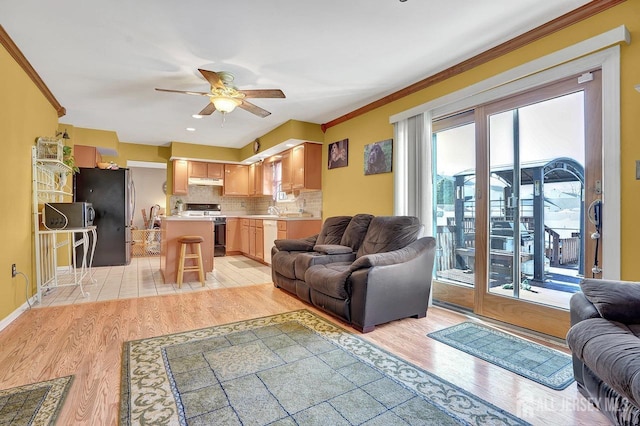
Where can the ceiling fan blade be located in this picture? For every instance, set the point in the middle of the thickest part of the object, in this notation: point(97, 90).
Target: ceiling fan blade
point(186, 92)
point(208, 110)
point(263, 93)
point(254, 109)
point(213, 78)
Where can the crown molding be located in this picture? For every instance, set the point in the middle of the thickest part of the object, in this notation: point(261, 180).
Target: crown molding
point(588, 10)
point(17, 55)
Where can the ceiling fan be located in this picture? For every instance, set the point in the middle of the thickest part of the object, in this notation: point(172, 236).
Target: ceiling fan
point(225, 97)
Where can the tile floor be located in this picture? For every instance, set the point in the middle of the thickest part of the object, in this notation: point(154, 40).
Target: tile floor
point(143, 278)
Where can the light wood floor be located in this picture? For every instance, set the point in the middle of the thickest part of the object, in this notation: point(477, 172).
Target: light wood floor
point(85, 339)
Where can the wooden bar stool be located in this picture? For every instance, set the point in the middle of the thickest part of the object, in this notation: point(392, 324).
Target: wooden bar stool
point(193, 240)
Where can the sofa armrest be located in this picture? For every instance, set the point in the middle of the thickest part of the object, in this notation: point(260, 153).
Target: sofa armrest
point(297, 244)
point(332, 249)
point(402, 255)
point(580, 308)
point(614, 300)
point(385, 293)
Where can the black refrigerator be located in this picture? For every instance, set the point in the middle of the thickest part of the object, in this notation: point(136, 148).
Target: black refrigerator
point(112, 193)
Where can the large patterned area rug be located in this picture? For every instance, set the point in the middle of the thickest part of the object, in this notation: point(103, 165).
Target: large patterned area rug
point(34, 404)
point(528, 359)
point(286, 369)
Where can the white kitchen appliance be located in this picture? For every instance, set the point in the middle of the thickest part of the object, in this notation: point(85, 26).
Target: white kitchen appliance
point(270, 228)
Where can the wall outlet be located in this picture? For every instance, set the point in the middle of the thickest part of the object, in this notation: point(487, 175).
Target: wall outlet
point(14, 272)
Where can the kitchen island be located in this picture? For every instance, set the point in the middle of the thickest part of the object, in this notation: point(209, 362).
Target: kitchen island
point(174, 227)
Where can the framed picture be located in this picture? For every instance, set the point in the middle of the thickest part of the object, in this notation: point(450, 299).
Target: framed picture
point(338, 154)
point(378, 157)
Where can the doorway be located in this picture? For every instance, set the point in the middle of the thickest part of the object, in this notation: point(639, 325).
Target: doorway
point(514, 182)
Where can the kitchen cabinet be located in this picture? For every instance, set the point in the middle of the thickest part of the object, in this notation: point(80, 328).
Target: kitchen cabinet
point(256, 178)
point(302, 168)
point(236, 179)
point(286, 184)
point(252, 238)
point(234, 238)
point(215, 170)
point(256, 239)
point(298, 228)
point(197, 169)
point(202, 169)
point(306, 167)
point(244, 236)
point(282, 229)
point(86, 156)
point(180, 177)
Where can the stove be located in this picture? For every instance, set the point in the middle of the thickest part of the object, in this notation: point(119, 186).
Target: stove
point(219, 221)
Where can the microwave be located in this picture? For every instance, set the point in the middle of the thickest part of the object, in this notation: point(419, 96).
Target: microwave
point(68, 215)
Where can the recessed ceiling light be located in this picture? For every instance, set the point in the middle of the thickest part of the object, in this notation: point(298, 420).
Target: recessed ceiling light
point(191, 129)
point(196, 116)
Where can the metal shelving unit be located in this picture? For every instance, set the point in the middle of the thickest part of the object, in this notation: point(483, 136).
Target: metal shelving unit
point(49, 185)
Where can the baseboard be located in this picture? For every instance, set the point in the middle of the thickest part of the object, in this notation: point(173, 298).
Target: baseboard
point(4, 323)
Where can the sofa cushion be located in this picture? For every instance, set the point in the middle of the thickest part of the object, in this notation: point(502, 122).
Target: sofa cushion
point(332, 249)
point(612, 351)
point(614, 300)
point(332, 230)
point(388, 233)
point(329, 279)
point(305, 261)
point(301, 244)
point(356, 230)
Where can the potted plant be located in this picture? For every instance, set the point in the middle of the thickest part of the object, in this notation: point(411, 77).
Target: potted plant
point(67, 159)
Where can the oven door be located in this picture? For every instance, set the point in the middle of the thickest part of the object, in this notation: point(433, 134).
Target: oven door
point(220, 240)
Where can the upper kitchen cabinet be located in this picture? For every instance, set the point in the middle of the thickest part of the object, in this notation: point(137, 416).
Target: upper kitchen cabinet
point(215, 170)
point(306, 167)
point(86, 156)
point(180, 177)
point(286, 184)
point(257, 179)
point(201, 169)
point(197, 169)
point(236, 179)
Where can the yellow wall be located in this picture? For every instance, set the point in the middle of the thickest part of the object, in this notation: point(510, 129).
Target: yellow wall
point(138, 152)
point(25, 114)
point(204, 152)
point(347, 190)
point(91, 137)
point(292, 129)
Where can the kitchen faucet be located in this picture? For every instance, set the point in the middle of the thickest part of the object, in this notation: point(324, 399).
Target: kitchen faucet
point(274, 210)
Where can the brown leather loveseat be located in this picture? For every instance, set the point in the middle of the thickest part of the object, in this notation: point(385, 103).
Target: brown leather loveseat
point(363, 269)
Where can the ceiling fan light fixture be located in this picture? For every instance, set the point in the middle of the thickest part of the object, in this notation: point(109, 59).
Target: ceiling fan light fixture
point(225, 104)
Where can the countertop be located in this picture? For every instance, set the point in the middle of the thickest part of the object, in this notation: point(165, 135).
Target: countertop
point(274, 217)
point(188, 218)
point(251, 216)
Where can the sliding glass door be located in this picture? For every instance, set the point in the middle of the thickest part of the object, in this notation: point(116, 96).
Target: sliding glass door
point(512, 211)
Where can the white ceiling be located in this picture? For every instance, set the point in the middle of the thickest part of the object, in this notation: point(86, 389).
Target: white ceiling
point(103, 59)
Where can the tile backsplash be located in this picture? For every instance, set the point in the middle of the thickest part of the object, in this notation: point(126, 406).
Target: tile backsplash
point(308, 202)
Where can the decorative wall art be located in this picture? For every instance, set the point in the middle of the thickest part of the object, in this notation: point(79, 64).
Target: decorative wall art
point(338, 154)
point(378, 157)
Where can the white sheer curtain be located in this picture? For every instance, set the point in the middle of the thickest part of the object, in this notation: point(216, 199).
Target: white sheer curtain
point(413, 180)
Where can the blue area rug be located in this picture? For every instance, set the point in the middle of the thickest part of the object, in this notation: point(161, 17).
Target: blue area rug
point(531, 360)
point(295, 368)
point(34, 404)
